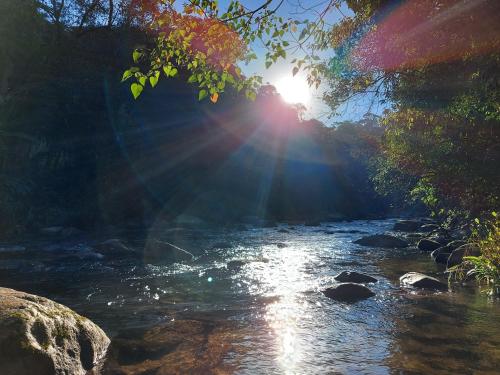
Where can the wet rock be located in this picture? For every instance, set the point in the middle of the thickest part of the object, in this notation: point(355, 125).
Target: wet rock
point(115, 248)
point(348, 292)
point(407, 226)
point(457, 255)
point(222, 245)
point(163, 252)
point(235, 265)
point(39, 336)
point(420, 280)
point(429, 227)
point(381, 240)
point(281, 245)
point(283, 230)
point(440, 255)
point(428, 245)
point(178, 347)
point(455, 244)
point(354, 277)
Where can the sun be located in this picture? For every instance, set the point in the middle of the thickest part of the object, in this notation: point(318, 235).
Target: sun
point(294, 90)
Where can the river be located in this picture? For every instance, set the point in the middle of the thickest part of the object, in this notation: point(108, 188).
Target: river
point(272, 297)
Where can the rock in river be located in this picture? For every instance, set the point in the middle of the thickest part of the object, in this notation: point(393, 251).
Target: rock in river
point(441, 254)
point(381, 240)
point(458, 254)
point(163, 252)
point(41, 337)
point(420, 280)
point(407, 226)
point(115, 248)
point(428, 245)
point(354, 277)
point(348, 292)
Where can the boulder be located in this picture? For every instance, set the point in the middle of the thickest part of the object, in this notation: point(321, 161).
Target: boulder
point(407, 226)
point(115, 248)
point(157, 251)
point(41, 337)
point(429, 227)
point(420, 280)
point(354, 277)
point(455, 244)
point(441, 254)
point(457, 255)
point(282, 230)
point(381, 240)
point(235, 265)
point(281, 245)
point(428, 245)
point(348, 292)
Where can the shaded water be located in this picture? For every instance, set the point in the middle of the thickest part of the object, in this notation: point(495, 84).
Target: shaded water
point(287, 326)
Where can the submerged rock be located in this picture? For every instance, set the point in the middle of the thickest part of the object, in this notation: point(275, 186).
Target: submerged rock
point(235, 265)
point(178, 347)
point(282, 230)
point(457, 255)
point(39, 336)
point(163, 252)
point(281, 245)
point(407, 226)
point(115, 248)
point(348, 292)
point(420, 280)
point(381, 240)
point(354, 277)
point(428, 245)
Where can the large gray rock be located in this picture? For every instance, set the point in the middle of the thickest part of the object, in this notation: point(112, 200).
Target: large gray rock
point(157, 251)
point(348, 292)
point(41, 337)
point(354, 277)
point(381, 240)
point(428, 245)
point(407, 226)
point(457, 255)
point(420, 280)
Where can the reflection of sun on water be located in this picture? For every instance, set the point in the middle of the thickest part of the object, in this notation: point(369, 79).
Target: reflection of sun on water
point(286, 279)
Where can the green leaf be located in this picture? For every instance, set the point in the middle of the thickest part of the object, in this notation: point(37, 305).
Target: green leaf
point(153, 80)
point(173, 72)
point(126, 75)
point(202, 94)
point(136, 89)
point(192, 79)
point(303, 34)
point(295, 71)
point(166, 70)
point(142, 80)
point(136, 55)
point(268, 64)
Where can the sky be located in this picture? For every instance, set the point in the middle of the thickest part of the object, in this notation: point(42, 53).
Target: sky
point(316, 108)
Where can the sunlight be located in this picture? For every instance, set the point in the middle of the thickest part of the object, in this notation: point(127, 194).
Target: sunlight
point(294, 90)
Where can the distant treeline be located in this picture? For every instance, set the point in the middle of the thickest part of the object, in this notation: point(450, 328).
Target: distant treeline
point(76, 149)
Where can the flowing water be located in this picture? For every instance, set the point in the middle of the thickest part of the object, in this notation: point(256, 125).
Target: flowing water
point(285, 324)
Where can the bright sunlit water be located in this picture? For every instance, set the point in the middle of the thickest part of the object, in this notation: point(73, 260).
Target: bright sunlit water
point(286, 325)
